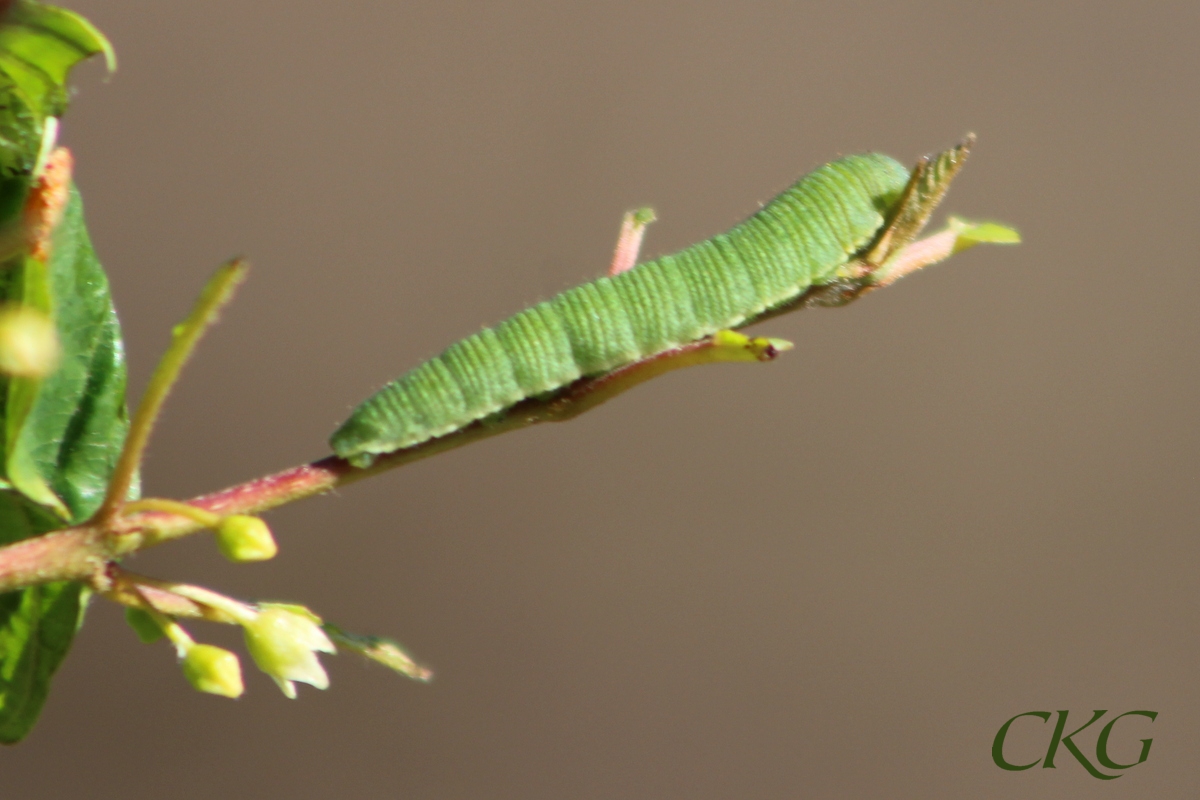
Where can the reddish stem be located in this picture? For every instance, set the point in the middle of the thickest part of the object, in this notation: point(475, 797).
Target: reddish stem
point(85, 552)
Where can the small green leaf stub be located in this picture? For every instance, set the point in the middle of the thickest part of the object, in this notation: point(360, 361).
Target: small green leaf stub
point(973, 233)
point(148, 631)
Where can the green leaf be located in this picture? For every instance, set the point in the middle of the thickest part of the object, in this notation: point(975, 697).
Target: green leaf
point(38, 46)
point(28, 283)
point(36, 629)
point(70, 433)
point(76, 425)
point(60, 435)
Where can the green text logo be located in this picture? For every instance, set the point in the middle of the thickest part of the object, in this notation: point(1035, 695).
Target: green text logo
point(1058, 738)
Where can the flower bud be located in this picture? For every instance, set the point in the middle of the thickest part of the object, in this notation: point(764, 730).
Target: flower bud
point(213, 669)
point(28, 342)
point(242, 538)
point(284, 642)
point(147, 630)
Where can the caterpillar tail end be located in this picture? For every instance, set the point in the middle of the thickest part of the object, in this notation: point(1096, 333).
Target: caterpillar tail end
point(361, 460)
point(356, 441)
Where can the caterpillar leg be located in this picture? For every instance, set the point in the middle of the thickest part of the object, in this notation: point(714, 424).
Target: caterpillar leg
point(721, 346)
point(629, 242)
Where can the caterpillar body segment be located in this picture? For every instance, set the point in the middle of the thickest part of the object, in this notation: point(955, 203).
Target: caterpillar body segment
point(797, 241)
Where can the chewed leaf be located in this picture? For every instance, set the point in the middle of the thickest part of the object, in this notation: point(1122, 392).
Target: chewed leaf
point(51, 40)
point(927, 185)
point(39, 45)
point(380, 650)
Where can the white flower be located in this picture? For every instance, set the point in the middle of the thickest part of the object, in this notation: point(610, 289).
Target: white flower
point(284, 642)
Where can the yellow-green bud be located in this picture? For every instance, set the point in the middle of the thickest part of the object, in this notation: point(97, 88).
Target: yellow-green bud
point(242, 538)
point(213, 669)
point(28, 342)
point(143, 625)
point(285, 644)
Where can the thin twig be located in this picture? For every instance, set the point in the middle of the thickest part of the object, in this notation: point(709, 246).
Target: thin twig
point(216, 294)
point(205, 518)
point(148, 527)
point(85, 552)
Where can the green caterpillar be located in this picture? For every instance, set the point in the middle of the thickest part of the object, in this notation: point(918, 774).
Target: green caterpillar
point(803, 239)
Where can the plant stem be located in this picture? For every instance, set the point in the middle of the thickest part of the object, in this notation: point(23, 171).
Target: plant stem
point(205, 518)
point(331, 472)
point(78, 553)
point(88, 551)
point(85, 551)
point(216, 294)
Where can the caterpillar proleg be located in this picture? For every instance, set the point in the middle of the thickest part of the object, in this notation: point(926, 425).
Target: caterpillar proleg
point(836, 227)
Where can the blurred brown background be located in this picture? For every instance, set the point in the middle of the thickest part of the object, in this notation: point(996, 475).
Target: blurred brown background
point(969, 496)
